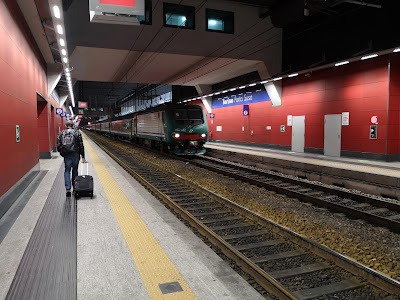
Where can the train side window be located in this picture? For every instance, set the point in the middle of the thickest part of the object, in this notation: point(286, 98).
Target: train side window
point(176, 15)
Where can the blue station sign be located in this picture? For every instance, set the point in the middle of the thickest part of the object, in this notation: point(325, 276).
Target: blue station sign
point(241, 98)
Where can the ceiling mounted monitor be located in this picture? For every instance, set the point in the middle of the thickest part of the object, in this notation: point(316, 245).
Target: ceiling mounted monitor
point(123, 12)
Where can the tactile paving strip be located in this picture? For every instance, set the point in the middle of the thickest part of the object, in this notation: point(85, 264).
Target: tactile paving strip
point(159, 274)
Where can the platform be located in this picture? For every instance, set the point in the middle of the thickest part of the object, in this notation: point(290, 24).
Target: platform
point(122, 244)
point(371, 176)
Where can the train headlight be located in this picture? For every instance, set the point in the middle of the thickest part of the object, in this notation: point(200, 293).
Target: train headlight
point(203, 135)
point(176, 135)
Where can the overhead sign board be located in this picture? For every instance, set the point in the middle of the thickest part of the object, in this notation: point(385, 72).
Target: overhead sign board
point(82, 104)
point(116, 11)
point(128, 3)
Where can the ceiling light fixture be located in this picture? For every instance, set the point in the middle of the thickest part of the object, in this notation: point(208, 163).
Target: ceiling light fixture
point(369, 56)
point(341, 63)
point(56, 12)
point(59, 29)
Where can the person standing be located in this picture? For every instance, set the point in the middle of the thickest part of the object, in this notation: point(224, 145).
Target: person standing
point(70, 146)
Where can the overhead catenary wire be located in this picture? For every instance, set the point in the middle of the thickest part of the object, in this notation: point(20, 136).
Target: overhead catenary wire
point(174, 35)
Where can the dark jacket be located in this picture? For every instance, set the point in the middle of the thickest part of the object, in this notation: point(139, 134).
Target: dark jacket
point(78, 142)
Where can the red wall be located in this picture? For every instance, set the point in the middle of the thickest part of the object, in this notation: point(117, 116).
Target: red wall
point(22, 73)
point(360, 88)
point(394, 105)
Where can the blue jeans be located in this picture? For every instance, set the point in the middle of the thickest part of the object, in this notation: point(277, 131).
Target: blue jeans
point(71, 161)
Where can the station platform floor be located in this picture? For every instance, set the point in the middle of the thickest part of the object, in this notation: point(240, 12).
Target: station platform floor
point(122, 244)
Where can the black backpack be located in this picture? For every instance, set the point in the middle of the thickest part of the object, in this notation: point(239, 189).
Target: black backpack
point(68, 142)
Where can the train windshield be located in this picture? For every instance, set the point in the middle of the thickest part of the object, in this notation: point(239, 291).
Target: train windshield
point(189, 116)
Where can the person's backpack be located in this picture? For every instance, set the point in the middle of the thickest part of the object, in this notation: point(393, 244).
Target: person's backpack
point(68, 142)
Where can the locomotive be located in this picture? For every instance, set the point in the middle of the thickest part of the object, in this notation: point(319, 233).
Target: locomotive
point(175, 128)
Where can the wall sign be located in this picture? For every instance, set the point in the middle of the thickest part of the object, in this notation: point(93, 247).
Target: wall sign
point(17, 134)
point(345, 118)
point(282, 128)
point(240, 98)
point(246, 110)
point(374, 119)
point(373, 132)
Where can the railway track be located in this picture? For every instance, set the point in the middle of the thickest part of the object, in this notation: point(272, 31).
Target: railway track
point(360, 206)
point(284, 263)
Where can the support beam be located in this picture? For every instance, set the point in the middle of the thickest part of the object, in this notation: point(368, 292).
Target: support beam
point(274, 90)
point(207, 101)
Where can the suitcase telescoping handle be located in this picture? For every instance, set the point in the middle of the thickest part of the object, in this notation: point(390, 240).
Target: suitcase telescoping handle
point(87, 168)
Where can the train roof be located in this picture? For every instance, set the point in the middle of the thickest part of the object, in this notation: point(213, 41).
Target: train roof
point(149, 110)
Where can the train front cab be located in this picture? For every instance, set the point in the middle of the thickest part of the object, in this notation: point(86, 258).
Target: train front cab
point(188, 131)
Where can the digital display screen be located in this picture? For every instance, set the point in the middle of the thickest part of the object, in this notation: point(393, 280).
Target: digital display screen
point(127, 3)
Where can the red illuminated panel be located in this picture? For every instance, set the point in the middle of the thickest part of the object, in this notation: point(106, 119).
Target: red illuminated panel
point(126, 3)
point(82, 104)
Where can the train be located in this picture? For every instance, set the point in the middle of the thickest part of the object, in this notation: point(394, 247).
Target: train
point(174, 128)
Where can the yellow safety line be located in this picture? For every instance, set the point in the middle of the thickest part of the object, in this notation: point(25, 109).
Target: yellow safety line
point(153, 264)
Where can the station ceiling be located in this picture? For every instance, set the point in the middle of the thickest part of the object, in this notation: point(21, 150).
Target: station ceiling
point(315, 32)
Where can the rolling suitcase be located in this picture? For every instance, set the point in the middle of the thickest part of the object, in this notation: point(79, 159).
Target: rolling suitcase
point(83, 184)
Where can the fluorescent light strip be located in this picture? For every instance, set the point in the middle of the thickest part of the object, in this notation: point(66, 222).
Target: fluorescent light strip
point(264, 82)
point(56, 12)
point(231, 90)
point(252, 84)
point(65, 59)
point(63, 52)
point(293, 75)
point(242, 87)
point(396, 50)
point(278, 78)
point(342, 63)
point(369, 56)
point(62, 42)
point(70, 109)
point(60, 29)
